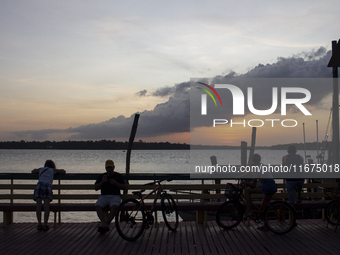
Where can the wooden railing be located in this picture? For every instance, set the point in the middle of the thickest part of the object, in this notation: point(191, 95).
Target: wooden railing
point(181, 189)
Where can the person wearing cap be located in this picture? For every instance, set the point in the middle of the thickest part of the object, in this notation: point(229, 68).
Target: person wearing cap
point(110, 184)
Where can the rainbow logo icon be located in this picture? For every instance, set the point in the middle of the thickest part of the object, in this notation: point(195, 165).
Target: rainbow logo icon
point(209, 93)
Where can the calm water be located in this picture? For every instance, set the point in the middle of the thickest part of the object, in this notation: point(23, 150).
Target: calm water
point(142, 161)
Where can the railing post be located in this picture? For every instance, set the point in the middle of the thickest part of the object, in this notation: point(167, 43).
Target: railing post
point(8, 216)
point(243, 153)
point(59, 201)
point(323, 199)
point(200, 214)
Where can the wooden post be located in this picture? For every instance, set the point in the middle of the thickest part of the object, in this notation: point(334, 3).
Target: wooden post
point(304, 141)
point(323, 199)
point(200, 214)
point(335, 110)
point(213, 161)
point(317, 142)
point(8, 216)
point(128, 154)
point(252, 147)
point(243, 153)
point(59, 200)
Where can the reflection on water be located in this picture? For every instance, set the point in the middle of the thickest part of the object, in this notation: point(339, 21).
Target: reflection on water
point(92, 161)
point(142, 161)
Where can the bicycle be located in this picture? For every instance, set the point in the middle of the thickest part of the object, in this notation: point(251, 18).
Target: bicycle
point(332, 210)
point(279, 216)
point(132, 216)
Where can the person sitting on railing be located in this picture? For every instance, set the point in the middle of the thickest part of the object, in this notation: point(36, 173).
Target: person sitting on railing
point(110, 184)
point(43, 190)
point(268, 187)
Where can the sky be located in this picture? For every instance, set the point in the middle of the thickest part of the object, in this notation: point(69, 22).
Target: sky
point(80, 70)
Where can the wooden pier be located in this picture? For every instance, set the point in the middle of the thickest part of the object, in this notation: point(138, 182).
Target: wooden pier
point(309, 237)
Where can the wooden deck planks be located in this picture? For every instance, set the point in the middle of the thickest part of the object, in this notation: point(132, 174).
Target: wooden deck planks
point(217, 239)
point(310, 244)
point(189, 236)
point(321, 234)
point(8, 243)
point(183, 240)
point(255, 246)
point(22, 236)
point(265, 242)
point(309, 237)
point(225, 239)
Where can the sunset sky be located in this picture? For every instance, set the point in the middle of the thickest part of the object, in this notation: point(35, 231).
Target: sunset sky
point(80, 70)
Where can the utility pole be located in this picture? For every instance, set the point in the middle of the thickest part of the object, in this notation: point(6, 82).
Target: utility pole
point(335, 63)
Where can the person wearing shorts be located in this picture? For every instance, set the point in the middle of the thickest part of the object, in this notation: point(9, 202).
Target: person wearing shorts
point(43, 190)
point(293, 185)
point(267, 187)
point(110, 184)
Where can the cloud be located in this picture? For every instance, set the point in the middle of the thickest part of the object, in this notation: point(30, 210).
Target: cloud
point(312, 55)
point(310, 66)
point(173, 116)
point(163, 92)
point(141, 93)
point(304, 65)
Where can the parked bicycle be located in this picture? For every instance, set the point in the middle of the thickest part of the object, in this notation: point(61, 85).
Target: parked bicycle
point(279, 216)
point(332, 211)
point(133, 217)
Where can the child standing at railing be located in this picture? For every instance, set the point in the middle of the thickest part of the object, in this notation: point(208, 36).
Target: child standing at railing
point(268, 187)
point(43, 190)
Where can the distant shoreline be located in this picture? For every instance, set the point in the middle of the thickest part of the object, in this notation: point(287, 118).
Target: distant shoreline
point(139, 145)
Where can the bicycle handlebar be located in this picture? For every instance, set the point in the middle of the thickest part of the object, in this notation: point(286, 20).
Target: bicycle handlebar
point(158, 181)
point(239, 187)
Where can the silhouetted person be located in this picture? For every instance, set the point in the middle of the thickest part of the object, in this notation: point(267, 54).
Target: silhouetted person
point(267, 187)
point(293, 184)
point(43, 190)
point(110, 184)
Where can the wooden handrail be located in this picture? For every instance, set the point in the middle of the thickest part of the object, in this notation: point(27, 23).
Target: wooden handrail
point(195, 188)
point(63, 194)
point(150, 187)
point(19, 191)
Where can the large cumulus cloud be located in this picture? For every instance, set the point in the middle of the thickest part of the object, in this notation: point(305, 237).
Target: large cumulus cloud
point(173, 116)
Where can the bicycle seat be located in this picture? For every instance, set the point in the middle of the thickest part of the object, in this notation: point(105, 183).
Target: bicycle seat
point(138, 193)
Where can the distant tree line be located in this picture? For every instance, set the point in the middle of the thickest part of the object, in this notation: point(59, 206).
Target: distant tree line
point(139, 145)
point(300, 146)
point(92, 145)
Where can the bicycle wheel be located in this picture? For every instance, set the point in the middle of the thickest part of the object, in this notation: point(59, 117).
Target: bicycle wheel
point(229, 214)
point(333, 212)
point(169, 211)
point(130, 219)
point(280, 217)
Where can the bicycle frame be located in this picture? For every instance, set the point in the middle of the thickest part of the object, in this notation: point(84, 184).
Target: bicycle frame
point(334, 193)
point(242, 199)
point(257, 216)
point(277, 216)
point(334, 197)
point(159, 190)
point(132, 216)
